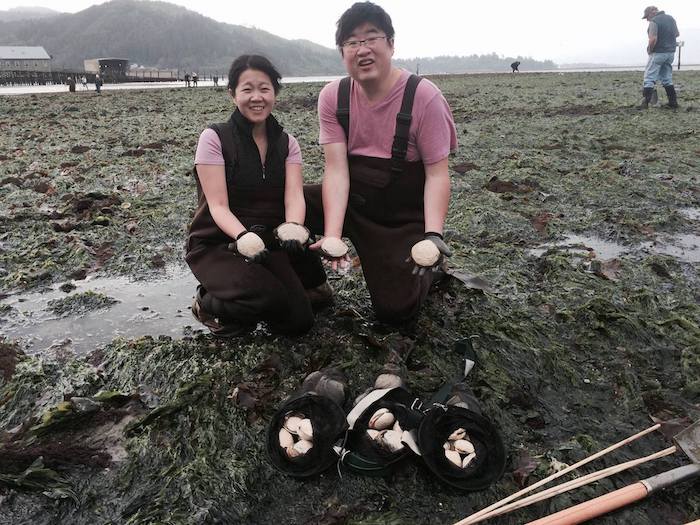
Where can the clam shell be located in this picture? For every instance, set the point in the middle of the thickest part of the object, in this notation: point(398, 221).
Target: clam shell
point(373, 434)
point(291, 423)
point(468, 459)
point(303, 446)
point(292, 452)
point(292, 232)
point(464, 446)
point(457, 434)
point(425, 253)
point(453, 457)
point(448, 445)
point(388, 381)
point(381, 419)
point(286, 439)
point(334, 247)
point(392, 440)
point(306, 430)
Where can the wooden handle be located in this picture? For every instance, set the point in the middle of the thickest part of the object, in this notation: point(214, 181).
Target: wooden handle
point(595, 507)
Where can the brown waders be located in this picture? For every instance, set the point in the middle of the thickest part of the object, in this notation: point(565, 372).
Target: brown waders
point(384, 217)
point(237, 291)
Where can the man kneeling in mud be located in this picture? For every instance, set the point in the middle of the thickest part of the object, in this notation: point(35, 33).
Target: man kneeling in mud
point(386, 137)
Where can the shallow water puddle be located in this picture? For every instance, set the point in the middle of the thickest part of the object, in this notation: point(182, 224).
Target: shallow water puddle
point(683, 246)
point(153, 307)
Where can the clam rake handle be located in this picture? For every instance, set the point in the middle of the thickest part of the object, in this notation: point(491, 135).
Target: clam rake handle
point(619, 498)
point(595, 507)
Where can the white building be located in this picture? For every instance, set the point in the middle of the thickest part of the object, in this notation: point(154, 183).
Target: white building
point(24, 58)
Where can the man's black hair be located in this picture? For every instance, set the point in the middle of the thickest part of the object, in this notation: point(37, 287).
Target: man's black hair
point(358, 14)
point(257, 62)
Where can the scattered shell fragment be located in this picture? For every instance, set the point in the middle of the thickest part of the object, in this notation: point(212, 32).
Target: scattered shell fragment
point(464, 446)
point(381, 419)
point(457, 434)
point(286, 439)
point(290, 231)
point(306, 431)
point(454, 457)
point(425, 253)
point(334, 247)
point(468, 459)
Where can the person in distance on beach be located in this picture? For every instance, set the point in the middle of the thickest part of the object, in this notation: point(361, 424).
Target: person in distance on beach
point(388, 194)
point(514, 66)
point(661, 47)
point(247, 232)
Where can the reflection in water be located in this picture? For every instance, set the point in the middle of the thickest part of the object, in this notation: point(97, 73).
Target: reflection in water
point(154, 307)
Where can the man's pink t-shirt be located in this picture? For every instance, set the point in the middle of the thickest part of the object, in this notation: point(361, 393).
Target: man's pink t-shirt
point(209, 150)
point(432, 135)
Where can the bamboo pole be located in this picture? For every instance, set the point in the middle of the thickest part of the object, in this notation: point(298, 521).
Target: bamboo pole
point(474, 517)
point(578, 482)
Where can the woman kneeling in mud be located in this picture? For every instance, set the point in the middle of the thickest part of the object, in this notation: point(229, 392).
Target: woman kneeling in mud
point(247, 238)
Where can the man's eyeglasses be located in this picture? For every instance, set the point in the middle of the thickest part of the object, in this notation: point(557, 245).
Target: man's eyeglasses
point(371, 42)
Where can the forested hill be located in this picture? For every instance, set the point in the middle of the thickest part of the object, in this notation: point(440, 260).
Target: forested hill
point(163, 35)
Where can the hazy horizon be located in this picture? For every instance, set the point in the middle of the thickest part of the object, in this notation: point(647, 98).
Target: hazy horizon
point(593, 32)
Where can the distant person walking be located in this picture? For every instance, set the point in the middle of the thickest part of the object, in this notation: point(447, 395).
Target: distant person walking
point(216, 80)
point(71, 84)
point(83, 81)
point(514, 66)
point(187, 79)
point(98, 83)
point(661, 48)
point(195, 78)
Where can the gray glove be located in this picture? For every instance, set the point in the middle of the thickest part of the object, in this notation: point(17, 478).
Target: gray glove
point(425, 256)
point(250, 246)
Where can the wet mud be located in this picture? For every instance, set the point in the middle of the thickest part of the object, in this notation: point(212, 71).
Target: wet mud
point(575, 226)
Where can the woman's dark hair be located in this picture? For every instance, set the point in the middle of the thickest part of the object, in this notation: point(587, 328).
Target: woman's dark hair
point(358, 14)
point(257, 62)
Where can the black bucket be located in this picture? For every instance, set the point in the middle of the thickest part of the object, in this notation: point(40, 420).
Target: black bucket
point(329, 425)
point(365, 455)
point(490, 461)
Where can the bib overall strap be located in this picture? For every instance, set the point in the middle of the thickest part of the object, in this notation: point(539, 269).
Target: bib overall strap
point(403, 125)
point(342, 113)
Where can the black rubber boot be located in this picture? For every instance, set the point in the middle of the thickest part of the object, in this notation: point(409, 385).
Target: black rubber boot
point(672, 100)
point(647, 93)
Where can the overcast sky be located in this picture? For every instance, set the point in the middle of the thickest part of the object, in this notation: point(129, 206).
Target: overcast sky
point(565, 31)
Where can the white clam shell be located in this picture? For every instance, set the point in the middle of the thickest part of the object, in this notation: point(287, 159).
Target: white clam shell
point(457, 434)
point(334, 247)
point(306, 430)
point(468, 459)
point(454, 457)
point(303, 446)
point(425, 253)
point(464, 446)
point(388, 381)
point(448, 445)
point(292, 232)
point(250, 245)
point(392, 440)
point(291, 423)
point(381, 419)
point(286, 439)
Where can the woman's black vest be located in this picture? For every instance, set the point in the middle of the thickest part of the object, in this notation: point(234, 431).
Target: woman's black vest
point(255, 191)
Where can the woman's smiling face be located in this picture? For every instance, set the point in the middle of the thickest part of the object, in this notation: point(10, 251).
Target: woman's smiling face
point(254, 95)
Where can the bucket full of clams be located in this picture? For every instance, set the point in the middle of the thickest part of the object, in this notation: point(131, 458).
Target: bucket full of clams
point(302, 433)
point(461, 447)
point(383, 431)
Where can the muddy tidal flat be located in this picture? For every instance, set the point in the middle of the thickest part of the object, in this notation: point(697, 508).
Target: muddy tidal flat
point(575, 226)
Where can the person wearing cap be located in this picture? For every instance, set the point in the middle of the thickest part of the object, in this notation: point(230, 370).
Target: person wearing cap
point(386, 137)
point(661, 48)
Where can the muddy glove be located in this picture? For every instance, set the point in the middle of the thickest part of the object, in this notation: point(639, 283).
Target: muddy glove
point(428, 253)
point(293, 237)
point(250, 246)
